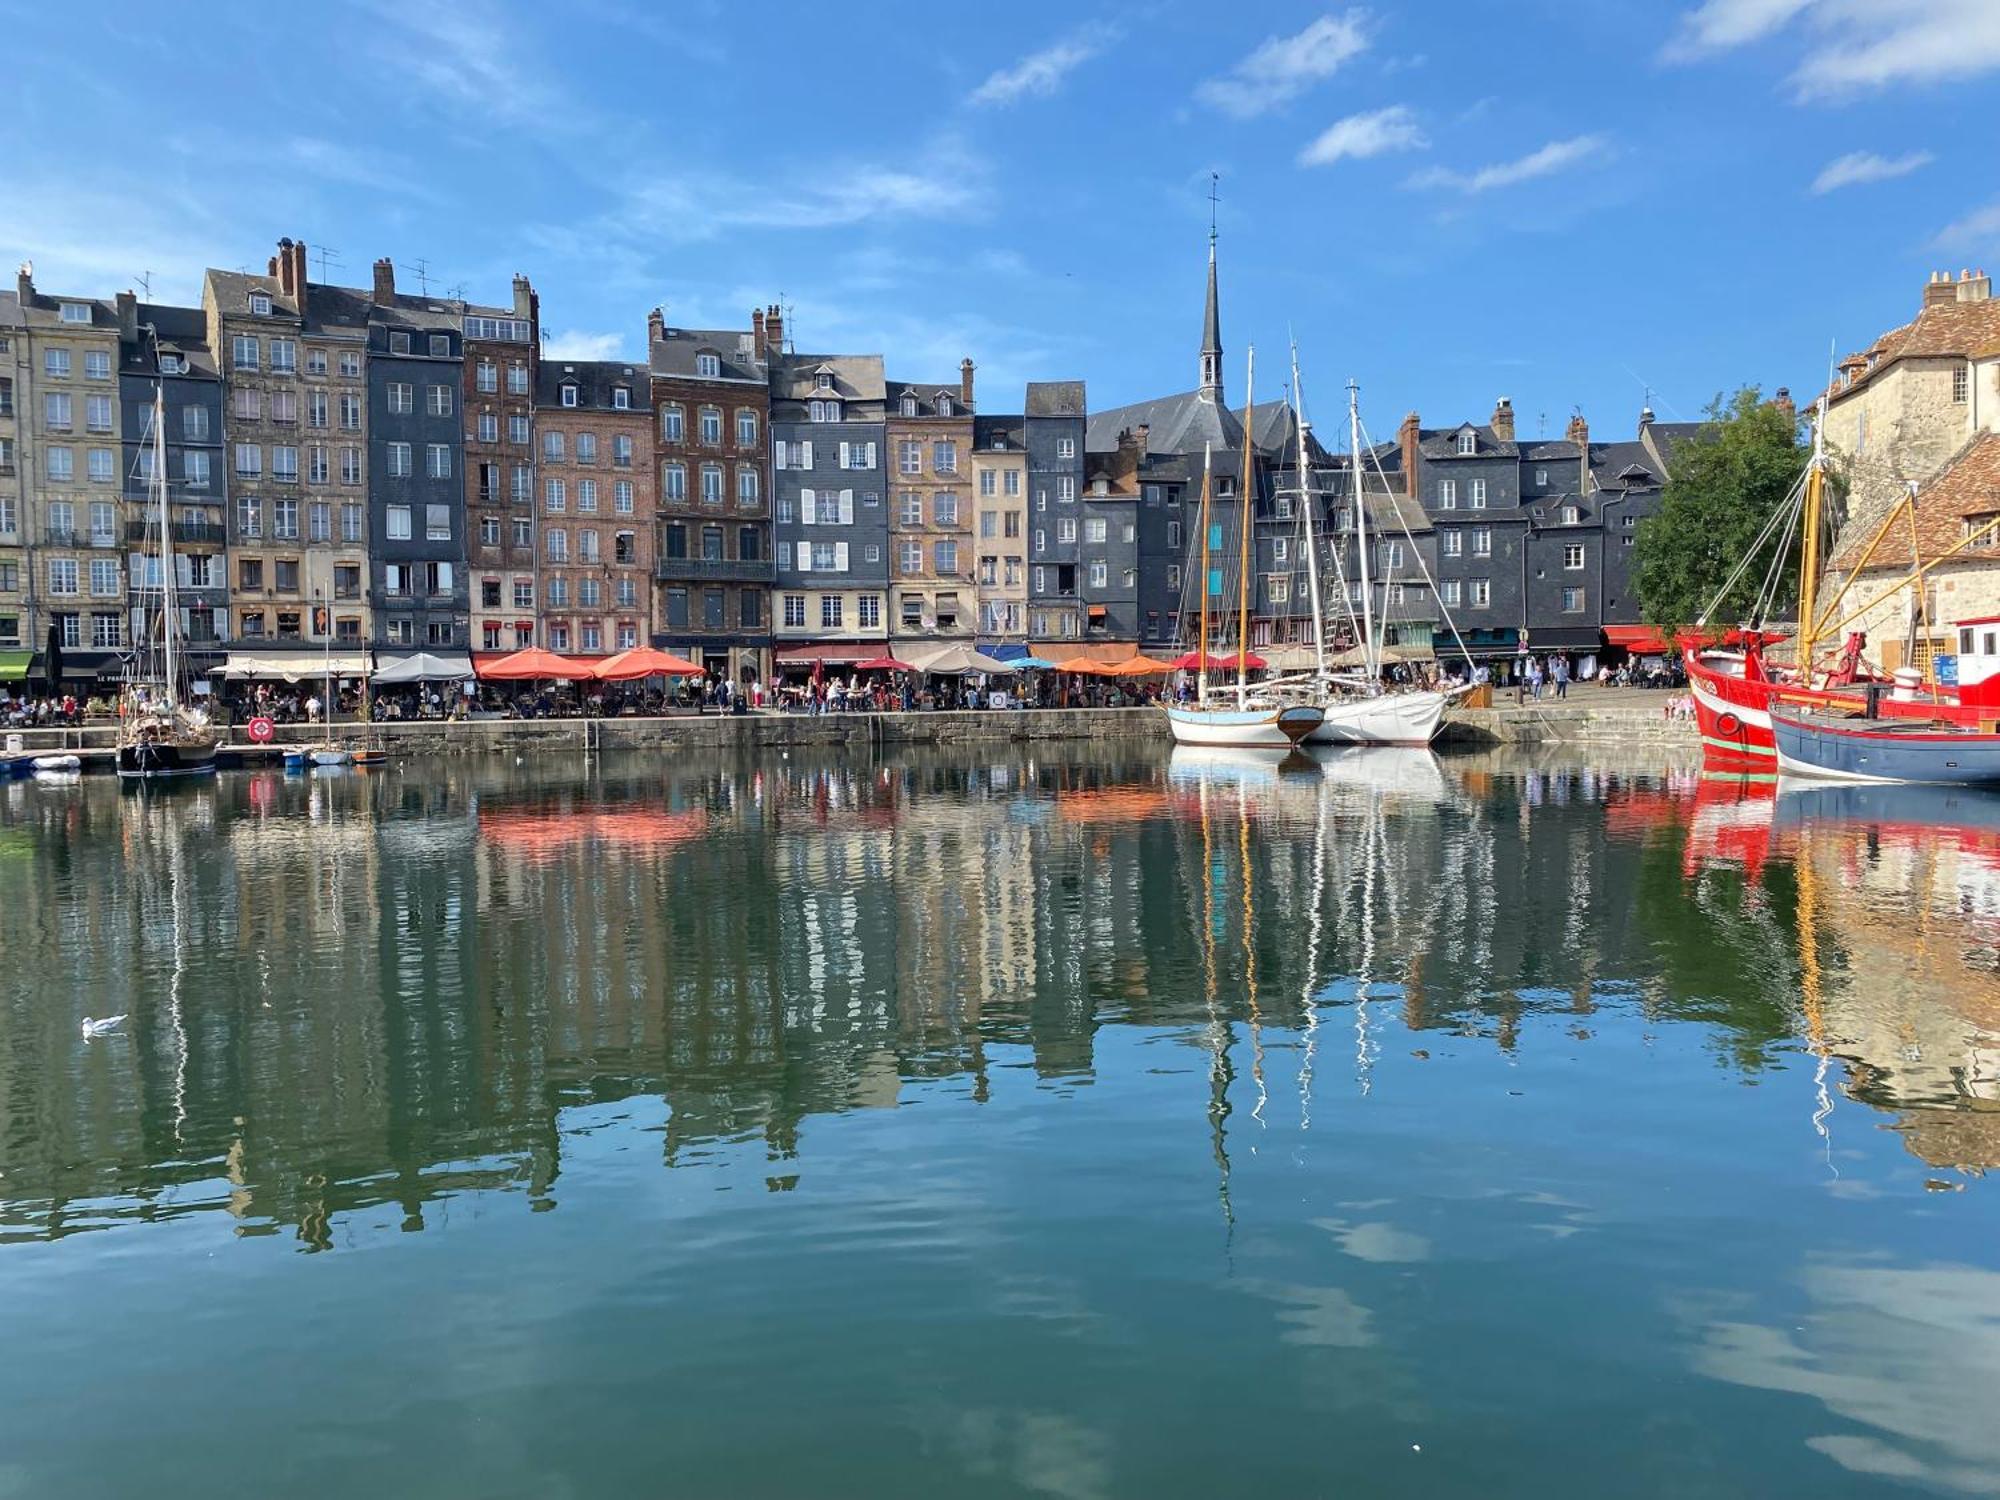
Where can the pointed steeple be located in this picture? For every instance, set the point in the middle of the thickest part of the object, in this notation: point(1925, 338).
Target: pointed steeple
point(1211, 322)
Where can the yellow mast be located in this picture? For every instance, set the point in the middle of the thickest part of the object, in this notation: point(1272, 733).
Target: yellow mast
point(1809, 550)
point(1243, 512)
point(1201, 646)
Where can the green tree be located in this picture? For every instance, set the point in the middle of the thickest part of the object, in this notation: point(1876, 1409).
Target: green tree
point(1726, 483)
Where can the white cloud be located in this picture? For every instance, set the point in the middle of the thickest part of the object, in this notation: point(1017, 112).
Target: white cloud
point(1856, 45)
point(1859, 167)
point(1978, 230)
point(1041, 73)
point(1553, 157)
point(1718, 25)
point(1284, 67)
point(462, 57)
point(574, 345)
point(1372, 134)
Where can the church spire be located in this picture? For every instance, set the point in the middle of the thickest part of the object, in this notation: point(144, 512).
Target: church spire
point(1211, 323)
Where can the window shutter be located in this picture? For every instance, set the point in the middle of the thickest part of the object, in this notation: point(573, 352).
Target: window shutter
point(806, 454)
point(840, 557)
point(805, 557)
point(806, 515)
point(843, 455)
point(847, 507)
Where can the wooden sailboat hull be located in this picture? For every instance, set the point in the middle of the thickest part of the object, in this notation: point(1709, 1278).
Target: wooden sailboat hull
point(1390, 719)
point(164, 762)
point(1847, 750)
point(1275, 728)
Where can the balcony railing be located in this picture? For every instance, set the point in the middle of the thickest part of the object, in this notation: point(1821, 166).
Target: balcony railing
point(188, 533)
point(698, 569)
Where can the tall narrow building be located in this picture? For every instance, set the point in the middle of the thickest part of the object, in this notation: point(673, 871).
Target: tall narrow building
point(595, 421)
point(16, 626)
point(929, 432)
point(1000, 497)
point(1054, 417)
point(502, 348)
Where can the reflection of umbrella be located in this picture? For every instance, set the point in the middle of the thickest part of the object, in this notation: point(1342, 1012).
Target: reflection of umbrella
point(1085, 666)
point(52, 662)
point(532, 665)
point(643, 661)
point(883, 664)
point(1193, 662)
point(1140, 666)
point(956, 661)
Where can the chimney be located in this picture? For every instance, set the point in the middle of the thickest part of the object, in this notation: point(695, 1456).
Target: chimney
point(1578, 431)
point(757, 329)
point(965, 383)
point(1144, 433)
point(1407, 438)
point(656, 326)
point(24, 283)
point(1975, 286)
point(299, 272)
point(385, 280)
point(128, 317)
point(524, 296)
point(1503, 419)
point(774, 330)
point(1940, 288)
point(1646, 412)
point(281, 267)
point(1782, 401)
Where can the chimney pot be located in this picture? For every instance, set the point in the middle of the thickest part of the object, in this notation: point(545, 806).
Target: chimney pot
point(128, 316)
point(1503, 419)
point(385, 280)
point(1408, 438)
point(965, 368)
point(774, 330)
point(656, 325)
point(524, 297)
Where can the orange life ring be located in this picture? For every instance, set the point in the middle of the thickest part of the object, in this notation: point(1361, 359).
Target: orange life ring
point(1729, 724)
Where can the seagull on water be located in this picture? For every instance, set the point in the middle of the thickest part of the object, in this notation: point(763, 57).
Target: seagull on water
point(101, 1026)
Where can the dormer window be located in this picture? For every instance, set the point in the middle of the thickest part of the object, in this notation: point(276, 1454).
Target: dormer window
point(708, 366)
point(1572, 515)
point(909, 406)
point(621, 398)
point(76, 312)
point(170, 364)
point(822, 381)
point(1468, 442)
point(944, 406)
point(260, 304)
point(1542, 478)
point(568, 394)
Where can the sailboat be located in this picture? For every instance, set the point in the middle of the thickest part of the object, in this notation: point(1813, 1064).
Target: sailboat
point(328, 753)
point(163, 739)
point(1256, 721)
point(1362, 712)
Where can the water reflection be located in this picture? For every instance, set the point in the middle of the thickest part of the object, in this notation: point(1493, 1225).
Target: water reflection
point(387, 990)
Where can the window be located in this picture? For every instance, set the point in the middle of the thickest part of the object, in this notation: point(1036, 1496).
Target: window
point(621, 398)
point(194, 470)
point(708, 366)
point(103, 524)
point(1392, 556)
point(487, 377)
point(746, 485)
point(1468, 441)
point(350, 365)
point(437, 523)
point(285, 519)
point(104, 577)
point(1961, 380)
point(1572, 601)
point(944, 557)
point(621, 497)
point(489, 427)
point(711, 484)
point(909, 557)
point(402, 398)
point(97, 365)
point(437, 460)
point(56, 361)
point(56, 415)
point(316, 408)
point(517, 380)
point(711, 426)
point(249, 517)
point(62, 575)
point(945, 510)
point(1571, 515)
point(249, 460)
point(399, 460)
point(831, 612)
point(746, 429)
point(97, 413)
point(1065, 447)
point(552, 447)
point(517, 429)
point(524, 532)
point(910, 457)
point(438, 400)
point(674, 482)
point(1479, 494)
point(589, 593)
point(673, 424)
point(350, 466)
point(524, 593)
point(795, 611)
point(285, 576)
point(1482, 593)
point(441, 346)
point(319, 521)
point(555, 543)
point(1278, 588)
point(621, 450)
point(1066, 487)
point(350, 412)
point(260, 304)
point(398, 525)
point(105, 630)
point(76, 312)
point(1450, 591)
point(986, 482)
point(1447, 494)
point(1482, 541)
point(284, 356)
point(102, 467)
point(285, 464)
point(1065, 530)
point(944, 456)
point(586, 495)
point(1453, 541)
point(250, 576)
point(1573, 558)
point(910, 508)
point(1094, 529)
point(569, 393)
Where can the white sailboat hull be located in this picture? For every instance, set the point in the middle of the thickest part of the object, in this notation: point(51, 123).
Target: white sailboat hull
point(1391, 719)
point(1278, 727)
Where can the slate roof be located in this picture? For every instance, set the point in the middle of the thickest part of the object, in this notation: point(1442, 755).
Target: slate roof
point(178, 330)
point(856, 377)
point(44, 310)
point(673, 354)
point(10, 310)
point(927, 398)
point(1056, 398)
point(1013, 428)
point(1968, 486)
point(595, 379)
point(1183, 423)
point(1442, 442)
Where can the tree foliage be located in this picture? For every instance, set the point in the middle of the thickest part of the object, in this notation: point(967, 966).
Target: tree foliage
point(1725, 485)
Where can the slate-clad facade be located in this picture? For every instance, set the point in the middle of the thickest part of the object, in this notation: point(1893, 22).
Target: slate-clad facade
point(829, 445)
point(1054, 416)
point(416, 457)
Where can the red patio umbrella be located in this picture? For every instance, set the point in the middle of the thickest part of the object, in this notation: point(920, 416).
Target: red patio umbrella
point(1192, 662)
point(883, 664)
point(644, 661)
point(534, 665)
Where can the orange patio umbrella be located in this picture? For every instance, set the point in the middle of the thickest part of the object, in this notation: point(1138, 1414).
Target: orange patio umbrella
point(1085, 666)
point(1140, 666)
point(643, 661)
point(534, 665)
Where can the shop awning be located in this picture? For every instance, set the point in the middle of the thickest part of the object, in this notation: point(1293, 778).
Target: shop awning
point(1564, 638)
point(293, 666)
point(828, 651)
point(423, 666)
point(1640, 640)
point(14, 665)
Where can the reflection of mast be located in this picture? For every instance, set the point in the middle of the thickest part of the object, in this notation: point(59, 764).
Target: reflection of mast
point(1809, 992)
point(1364, 1043)
point(1250, 953)
point(1218, 1034)
point(1314, 923)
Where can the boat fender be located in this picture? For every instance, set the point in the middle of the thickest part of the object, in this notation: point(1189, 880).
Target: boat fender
point(1729, 724)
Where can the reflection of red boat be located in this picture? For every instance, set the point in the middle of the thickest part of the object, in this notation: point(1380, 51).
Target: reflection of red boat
point(543, 833)
point(1731, 825)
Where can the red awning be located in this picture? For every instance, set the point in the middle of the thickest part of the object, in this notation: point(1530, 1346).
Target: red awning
point(805, 656)
point(1640, 640)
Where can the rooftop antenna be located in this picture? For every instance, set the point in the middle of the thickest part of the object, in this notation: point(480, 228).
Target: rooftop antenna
point(327, 256)
point(791, 334)
point(1541, 424)
point(456, 292)
point(421, 268)
point(145, 280)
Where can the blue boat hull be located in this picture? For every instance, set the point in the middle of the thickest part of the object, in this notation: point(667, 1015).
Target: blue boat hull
point(1873, 750)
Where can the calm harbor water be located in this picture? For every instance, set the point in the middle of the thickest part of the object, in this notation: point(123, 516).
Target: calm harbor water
point(1066, 1124)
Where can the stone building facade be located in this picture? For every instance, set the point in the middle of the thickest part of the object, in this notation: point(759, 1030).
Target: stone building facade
point(594, 421)
point(999, 482)
point(17, 625)
point(711, 457)
point(502, 350)
point(929, 436)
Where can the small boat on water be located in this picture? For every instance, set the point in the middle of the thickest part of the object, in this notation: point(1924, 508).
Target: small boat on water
point(1844, 748)
point(59, 764)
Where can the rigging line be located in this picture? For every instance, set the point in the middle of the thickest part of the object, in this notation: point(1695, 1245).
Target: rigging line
point(1418, 553)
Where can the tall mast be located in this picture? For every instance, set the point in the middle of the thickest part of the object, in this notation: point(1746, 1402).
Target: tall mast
point(1307, 499)
point(169, 593)
point(1809, 551)
point(1201, 646)
point(326, 704)
point(1243, 510)
point(1361, 535)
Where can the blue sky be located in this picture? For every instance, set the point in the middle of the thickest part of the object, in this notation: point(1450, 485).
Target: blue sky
point(1448, 200)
